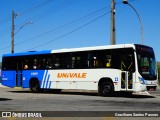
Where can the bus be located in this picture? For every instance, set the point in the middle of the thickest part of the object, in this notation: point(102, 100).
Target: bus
point(106, 69)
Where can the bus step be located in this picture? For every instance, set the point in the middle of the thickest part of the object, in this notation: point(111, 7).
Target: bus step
point(18, 87)
point(142, 93)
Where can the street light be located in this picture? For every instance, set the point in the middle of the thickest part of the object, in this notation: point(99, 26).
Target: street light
point(142, 33)
point(22, 27)
point(13, 34)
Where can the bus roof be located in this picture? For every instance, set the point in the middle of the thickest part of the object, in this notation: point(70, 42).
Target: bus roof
point(28, 53)
point(94, 48)
point(71, 50)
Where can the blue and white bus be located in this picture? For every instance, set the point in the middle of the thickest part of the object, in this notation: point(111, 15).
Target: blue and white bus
point(106, 69)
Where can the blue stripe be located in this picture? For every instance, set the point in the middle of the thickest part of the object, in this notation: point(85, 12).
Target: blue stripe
point(42, 82)
point(50, 84)
point(45, 79)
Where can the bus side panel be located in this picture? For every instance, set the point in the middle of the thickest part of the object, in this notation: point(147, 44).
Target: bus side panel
point(9, 78)
point(28, 74)
point(84, 79)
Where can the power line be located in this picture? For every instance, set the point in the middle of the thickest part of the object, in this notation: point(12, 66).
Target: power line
point(131, 0)
point(5, 20)
point(43, 15)
point(36, 7)
point(31, 9)
point(70, 32)
point(23, 12)
point(57, 28)
point(65, 25)
point(121, 2)
point(48, 12)
point(62, 26)
point(61, 6)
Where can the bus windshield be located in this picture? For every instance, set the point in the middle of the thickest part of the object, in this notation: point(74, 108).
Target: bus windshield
point(146, 62)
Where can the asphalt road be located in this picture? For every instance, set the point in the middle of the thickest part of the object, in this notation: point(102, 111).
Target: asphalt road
point(22, 100)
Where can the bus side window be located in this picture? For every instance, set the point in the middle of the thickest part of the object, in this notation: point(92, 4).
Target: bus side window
point(26, 64)
point(73, 62)
point(127, 62)
point(95, 62)
point(35, 64)
point(108, 61)
point(79, 60)
point(92, 59)
point(57, 63)
point(41, 62)
point(48, 63)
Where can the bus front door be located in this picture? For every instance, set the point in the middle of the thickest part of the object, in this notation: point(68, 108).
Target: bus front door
point(18, 74)
point(126, 81)
point(128, 67)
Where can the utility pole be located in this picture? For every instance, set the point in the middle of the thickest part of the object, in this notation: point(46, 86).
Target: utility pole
point(13, 28)
point(113, 29)
point(12, 33)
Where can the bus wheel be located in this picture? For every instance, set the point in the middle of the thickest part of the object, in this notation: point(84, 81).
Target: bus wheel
point(106, 89)
point(34, 86)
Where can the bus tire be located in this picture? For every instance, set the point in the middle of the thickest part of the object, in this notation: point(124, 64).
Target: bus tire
point(34, 86)
point(106, 89)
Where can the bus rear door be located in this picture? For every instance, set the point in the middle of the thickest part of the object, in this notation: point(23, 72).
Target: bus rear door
point(19, 73)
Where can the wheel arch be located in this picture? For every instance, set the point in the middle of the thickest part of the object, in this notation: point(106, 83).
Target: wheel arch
point(33, 79)
point(34, 85)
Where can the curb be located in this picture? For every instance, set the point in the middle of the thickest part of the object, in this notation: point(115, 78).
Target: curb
point(1, 86)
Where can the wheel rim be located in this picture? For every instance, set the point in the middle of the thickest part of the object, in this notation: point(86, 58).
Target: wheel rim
point(107, 89)
point(34, 86)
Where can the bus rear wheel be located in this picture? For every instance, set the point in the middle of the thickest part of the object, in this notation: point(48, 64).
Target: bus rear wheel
point(34, 86)
point(106, 89)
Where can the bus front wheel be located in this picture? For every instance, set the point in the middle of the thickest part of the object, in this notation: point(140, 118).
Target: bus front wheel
point(34, 86)
point(106, 89)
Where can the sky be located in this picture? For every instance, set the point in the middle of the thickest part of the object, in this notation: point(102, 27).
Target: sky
point(58, 24)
